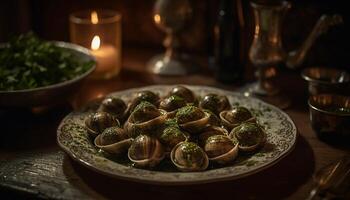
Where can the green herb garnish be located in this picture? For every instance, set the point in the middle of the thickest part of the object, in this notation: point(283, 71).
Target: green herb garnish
point(28, 62)
point(191, 148)
point(145, 111)
point(189, 113)
point(171, 123)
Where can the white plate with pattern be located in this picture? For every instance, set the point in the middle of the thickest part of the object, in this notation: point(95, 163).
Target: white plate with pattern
point(281, 137)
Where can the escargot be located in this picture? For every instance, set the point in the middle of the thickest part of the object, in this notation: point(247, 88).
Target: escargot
point(114, 106)
point(215, 103)
point(221, 149)
point(113, 140)
point(146, 151)
point(145, 119)
point(188, 156)
point(210, 131)
point(249, 135)
point(184, 93)
point(234, 117)
point(172, 103)
point(141, 96)
point(171, 136)
point(192, 119)
point(99, 121)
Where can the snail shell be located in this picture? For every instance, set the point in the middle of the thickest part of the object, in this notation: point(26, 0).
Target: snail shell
point(145, 119)
point(221, 149)
point(214, 120)
point(172, 103)
point(145, 111)
point(210, 131)
point(99, 121)
point(114, 106)
point(141, 96)
point(215, 103)
point(192, 119)
point(236, 116)
point(184, 93)
point(188, 156)
point(113, 140)
point(171, 136)
point(146, 151)
point(249, 135)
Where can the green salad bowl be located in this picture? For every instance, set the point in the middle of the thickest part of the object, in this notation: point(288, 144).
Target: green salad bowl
point(52, 94)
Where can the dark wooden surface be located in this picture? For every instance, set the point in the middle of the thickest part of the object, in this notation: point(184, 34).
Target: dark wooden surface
point(33, 166)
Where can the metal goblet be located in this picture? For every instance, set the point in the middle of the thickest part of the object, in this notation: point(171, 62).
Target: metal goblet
point(171, 16)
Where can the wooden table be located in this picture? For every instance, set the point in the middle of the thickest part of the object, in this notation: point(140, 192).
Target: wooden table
point(33, 166)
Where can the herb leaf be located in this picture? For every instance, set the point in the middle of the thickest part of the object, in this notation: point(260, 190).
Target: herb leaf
point(28, 62)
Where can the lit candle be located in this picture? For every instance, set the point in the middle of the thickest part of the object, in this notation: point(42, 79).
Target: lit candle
point(101, 33)
point(106, 55)
point(94, 17)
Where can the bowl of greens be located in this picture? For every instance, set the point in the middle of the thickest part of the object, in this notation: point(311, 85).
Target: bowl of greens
point(35, 72)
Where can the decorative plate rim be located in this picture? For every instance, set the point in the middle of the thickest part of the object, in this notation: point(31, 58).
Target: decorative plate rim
point(198, 179)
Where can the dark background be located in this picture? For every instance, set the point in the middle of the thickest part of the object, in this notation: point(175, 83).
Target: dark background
point(49, 19)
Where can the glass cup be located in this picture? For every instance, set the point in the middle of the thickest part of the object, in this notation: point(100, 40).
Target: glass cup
point(101, 32)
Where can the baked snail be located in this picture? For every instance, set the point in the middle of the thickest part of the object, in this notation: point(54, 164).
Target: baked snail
point(215, 103)
point(142, 96)
point(249, 135)
point(99, 121)
point(184, 93)
point(210, 131)
point(221, 149)
point(146, 151)
point(192, 119)
point(171, 136)
point(146, 118)
point(188, 156)
point(236, 116)
point(113, 140)
point(114, 106)
point(172, 103)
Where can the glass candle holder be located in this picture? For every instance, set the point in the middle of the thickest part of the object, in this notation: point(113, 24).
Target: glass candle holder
point(99, 31)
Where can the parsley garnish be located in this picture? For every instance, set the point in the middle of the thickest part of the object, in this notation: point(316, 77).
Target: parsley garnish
point(28, 62)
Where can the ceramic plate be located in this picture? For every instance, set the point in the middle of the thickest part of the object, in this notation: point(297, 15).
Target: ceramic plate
point(281, 138)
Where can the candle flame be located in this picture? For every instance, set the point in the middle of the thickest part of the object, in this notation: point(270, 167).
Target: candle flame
point(95, 43)
point(156, 18)
point(94, 17)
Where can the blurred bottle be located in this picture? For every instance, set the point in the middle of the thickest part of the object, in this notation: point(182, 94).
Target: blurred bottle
point(227, 31)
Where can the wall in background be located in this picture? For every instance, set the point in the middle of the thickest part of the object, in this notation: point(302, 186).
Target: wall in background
point(49, 19)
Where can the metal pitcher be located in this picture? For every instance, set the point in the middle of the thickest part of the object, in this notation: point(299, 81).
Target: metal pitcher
point(267, 52)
